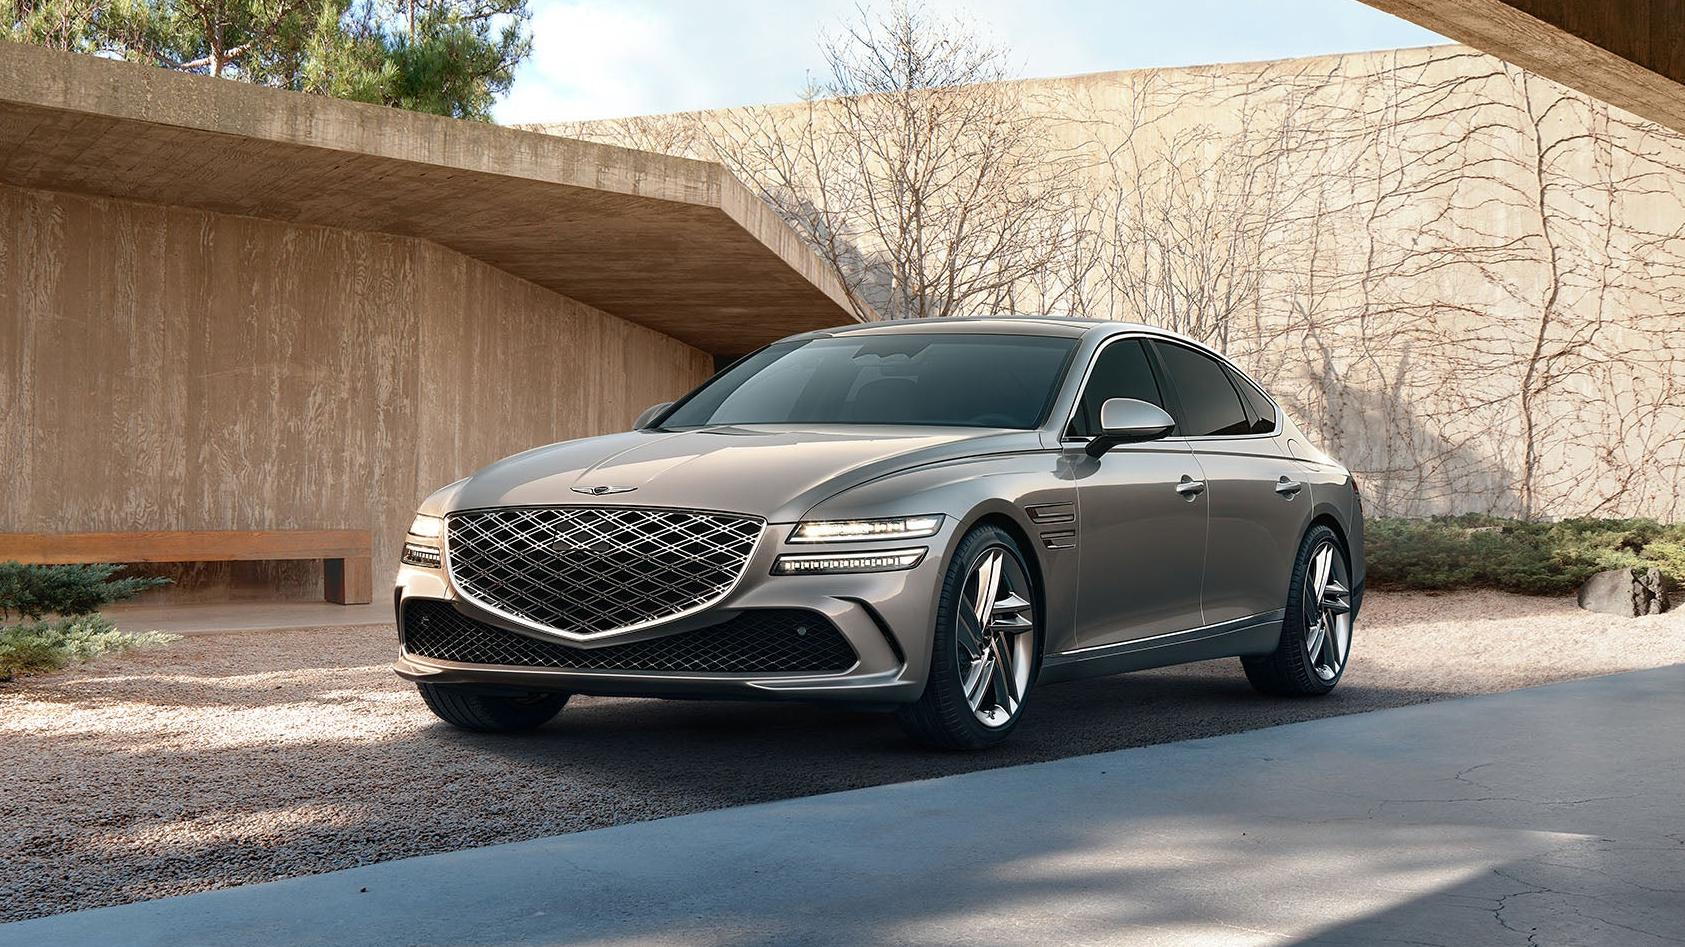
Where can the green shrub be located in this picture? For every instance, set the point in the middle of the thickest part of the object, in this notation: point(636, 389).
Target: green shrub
point(1473, 551)
point(36, 591)
point(36, 646)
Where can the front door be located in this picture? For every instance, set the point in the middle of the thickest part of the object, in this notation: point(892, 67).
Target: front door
point(1141, 540)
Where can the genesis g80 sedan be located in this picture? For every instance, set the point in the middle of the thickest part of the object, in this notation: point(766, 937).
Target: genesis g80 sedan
point(935, 518)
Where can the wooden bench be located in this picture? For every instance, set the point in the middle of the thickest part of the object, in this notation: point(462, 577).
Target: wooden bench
point(346, 554)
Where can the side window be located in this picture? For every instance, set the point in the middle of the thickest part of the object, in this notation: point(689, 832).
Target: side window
point(1263, 412)
point(1210, 404)
point(1122, 371)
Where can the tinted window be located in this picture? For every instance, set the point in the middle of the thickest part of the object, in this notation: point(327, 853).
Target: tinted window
point(1263, 413)
point(1210, 404)
point(1122, 371)
point(942, 379)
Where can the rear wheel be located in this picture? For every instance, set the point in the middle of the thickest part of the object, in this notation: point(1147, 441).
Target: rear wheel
point(986, 649)
point(487, 711)
point(1316, 633)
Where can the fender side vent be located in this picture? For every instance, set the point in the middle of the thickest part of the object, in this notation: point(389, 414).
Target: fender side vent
point(1061, 540)
point(1050, 513)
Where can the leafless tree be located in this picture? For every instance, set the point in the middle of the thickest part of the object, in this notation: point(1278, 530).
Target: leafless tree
point(1465, 280)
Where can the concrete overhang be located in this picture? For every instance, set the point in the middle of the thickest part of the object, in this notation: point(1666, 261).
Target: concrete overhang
point(670, 243)
point(1629, 53)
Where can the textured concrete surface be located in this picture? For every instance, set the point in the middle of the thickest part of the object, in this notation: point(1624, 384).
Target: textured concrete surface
point(675, 245)
point(1548, 815)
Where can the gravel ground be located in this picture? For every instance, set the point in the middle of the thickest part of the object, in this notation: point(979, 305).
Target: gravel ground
point(237, 758)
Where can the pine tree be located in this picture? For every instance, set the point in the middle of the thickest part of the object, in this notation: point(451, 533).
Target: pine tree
point(448, 57)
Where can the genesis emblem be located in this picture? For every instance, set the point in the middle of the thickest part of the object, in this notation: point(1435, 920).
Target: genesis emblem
point(602, 491)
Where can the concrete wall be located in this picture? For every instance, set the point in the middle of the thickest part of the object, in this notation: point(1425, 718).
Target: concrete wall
point(164, 368)
point(1465, 280)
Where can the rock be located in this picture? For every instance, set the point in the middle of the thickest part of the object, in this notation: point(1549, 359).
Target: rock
point(1653, 592)
point(1629, 592)
point(1609, 592)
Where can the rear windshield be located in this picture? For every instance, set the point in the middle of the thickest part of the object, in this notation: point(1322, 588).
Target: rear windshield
point(939, 379)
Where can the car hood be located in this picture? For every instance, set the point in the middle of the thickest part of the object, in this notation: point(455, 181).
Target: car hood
point(775, 471)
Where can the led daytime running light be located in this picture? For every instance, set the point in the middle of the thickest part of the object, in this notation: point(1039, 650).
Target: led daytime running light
point(890, 560)
point(837, 531)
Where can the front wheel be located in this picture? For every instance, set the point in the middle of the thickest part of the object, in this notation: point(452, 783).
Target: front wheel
point(986, 649)
point(1316, 633)
point(487, 711)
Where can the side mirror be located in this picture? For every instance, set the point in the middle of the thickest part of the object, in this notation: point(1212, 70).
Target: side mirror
point(1128, 421)
point(650, 414)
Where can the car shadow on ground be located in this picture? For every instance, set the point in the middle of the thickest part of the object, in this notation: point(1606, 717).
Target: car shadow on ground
point(724, 753)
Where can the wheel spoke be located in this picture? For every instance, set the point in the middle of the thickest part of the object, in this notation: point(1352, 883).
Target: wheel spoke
point(988, 586)
point(1336, 598)
point(977, 680)
point(1011, 614)
point(1321, 566)
point(1316, 637)
point(1005, 686)
point(971, 635)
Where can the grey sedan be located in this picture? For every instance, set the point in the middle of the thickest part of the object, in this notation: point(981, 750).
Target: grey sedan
point(934, 518)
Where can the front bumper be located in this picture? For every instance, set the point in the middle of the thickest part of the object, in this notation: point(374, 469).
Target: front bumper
point(886, 618)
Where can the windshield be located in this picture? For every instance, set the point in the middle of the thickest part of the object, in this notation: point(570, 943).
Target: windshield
point(939, 379)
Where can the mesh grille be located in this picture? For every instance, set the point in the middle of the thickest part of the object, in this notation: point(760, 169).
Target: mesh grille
point(590, 570)
point(787, 640)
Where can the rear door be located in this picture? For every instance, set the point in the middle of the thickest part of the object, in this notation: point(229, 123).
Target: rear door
point(1255, 516)
point(1141, 544)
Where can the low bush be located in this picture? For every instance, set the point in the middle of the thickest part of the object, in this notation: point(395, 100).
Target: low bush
point(1473, 551)
point(36, 646)
point(36, 591)
point(73, 593)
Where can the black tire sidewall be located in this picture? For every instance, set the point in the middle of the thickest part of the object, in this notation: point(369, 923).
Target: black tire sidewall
point(944, 695)
point(1293, 623)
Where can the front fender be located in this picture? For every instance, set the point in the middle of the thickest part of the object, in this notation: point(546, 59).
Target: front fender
point(1001, 489)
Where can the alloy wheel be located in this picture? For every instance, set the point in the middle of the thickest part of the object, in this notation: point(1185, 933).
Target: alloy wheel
point(1327, 610)
point(995, 636)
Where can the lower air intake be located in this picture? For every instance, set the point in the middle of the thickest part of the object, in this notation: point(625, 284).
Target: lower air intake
point(758, 640)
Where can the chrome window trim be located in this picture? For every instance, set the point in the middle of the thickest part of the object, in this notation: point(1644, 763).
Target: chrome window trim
point(1149, 335)
point(1088, 373)
point(553, 632)
point(1223, 361)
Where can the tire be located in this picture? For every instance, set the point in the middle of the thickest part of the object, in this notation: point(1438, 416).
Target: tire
point(483, 711)
point(1292, 670)
point(943, 717)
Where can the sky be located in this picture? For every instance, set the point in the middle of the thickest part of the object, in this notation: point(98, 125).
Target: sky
point(611, 58)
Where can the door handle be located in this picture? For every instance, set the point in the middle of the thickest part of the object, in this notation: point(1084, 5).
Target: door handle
point(1288, 488)
point(1189, 487)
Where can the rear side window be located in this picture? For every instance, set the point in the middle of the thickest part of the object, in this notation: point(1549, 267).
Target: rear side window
point(1122, 371)
point(1263, 412)
point(1210, 404)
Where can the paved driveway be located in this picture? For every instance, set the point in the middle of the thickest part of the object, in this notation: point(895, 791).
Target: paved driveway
point(1543, 816)
point(244, 758)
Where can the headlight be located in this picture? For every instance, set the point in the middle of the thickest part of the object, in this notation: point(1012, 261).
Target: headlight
point(842, 531)
point(427, 527)
point(421, 546)
point(889, 560)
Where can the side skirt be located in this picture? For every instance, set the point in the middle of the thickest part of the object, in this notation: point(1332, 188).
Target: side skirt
point(1257, 634)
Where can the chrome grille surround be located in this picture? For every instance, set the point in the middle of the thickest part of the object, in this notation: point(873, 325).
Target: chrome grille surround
point(584, 572)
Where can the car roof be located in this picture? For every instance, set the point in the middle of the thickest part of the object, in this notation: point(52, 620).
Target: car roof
point(982, 325)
